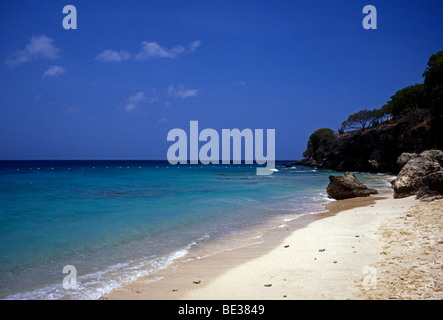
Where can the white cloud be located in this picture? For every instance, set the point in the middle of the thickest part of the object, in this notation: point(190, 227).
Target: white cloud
point(154, 50)
point(181, 92)
point(116, 56)
point(194, 45)
point(147, 51)
point(140, 98)
point(38, 47)
point(133, 101)
point(54, 71)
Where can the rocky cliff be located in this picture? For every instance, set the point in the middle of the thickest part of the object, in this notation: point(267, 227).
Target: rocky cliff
point(374, 149)
point(415, 124)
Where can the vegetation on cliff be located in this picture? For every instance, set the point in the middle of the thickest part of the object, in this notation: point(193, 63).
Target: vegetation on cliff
point(372, 140)
point(321, 138)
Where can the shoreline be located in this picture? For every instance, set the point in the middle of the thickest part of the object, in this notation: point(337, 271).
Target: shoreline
point(316, 256)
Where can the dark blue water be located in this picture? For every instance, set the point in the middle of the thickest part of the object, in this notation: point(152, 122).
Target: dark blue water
point(117, 220)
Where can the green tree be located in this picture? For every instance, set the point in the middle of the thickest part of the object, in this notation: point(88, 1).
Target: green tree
point(378, 116)
point(433, 82)
point(406, 101)
point(321, 138)
point(359, 120)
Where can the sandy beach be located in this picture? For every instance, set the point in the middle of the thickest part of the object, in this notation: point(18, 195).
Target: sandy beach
point(362, 248)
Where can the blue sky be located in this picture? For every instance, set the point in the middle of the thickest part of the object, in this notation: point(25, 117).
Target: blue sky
point(133, 70)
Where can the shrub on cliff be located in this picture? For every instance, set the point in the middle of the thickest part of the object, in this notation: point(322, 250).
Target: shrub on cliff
point(321, 138)
point(433, 83)
point(406, 101)
point(434, 96)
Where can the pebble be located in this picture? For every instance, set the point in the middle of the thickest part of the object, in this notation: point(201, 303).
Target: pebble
point(321, 250)
point(197, 282)
point(268, 285)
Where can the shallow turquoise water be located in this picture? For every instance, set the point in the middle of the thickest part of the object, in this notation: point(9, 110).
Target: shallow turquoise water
point(117, 220)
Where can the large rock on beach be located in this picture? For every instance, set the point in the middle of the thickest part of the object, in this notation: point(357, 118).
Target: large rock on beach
point(405, 157)
point(421, 175)
point(436, 155)
point(346, 186)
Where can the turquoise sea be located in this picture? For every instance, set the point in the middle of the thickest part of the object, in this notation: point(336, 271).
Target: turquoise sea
point(115, 221)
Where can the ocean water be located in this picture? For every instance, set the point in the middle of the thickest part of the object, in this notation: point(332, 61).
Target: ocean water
point(115, 221)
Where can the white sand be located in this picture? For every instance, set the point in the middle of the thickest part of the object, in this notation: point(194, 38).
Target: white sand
point(337, 257)
point(301, 271)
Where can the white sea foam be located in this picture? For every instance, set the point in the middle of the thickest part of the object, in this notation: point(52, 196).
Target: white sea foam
point(94, 285)
point(325, 198)
point(387, 183)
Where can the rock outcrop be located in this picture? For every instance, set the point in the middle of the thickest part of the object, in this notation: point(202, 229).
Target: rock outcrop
point(405, 157)
point(346, 186)
point(421, 175)
point(374, 149)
